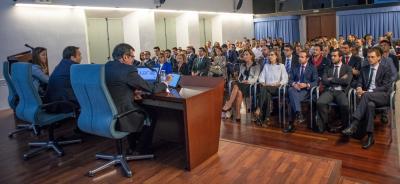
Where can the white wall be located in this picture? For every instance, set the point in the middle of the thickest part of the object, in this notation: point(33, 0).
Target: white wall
point(51, 28)
point(97, 34)
point(187, 30)
point(236, 27)
point(139, 30)
point(205, 30)
point(203, 5)
point(216, 23)
point(165, 32)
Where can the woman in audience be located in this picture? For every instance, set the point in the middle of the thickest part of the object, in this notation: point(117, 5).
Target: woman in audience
point(271, 78)
point(164, 65)
point(142, 57)
point(248, 75)
point(218, 65)
point(40, 72)
point(182, 67)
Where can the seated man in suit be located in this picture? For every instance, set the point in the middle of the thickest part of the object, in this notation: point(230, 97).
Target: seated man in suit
point(351, 60)
point(291, 60)
point(201, 64)
point(163, 65)
point(124, 84)
point(319, 61)
point(147, 60)
point(336, 80)
point(190, 56)
point(302, 79)
point(59, 87)
point(171, 60)
point(374, 87)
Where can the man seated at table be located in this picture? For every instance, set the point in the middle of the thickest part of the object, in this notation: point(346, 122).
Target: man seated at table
point(125, 84)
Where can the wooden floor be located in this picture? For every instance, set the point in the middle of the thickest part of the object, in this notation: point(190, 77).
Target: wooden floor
point(253, 154)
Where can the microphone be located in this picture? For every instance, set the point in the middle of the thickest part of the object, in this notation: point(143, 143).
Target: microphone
point(27, 45)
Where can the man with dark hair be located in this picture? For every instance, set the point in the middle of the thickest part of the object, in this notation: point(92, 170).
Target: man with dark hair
point(169, 58)
point(157, 52)
point(302, 79)
point(201, 64)
point(125, 85)
point(174, 52)
point(290, 60)
point(373, 89)
point(319, 61)
point(191, 56)
point(59, 87)
point(336, 79)
point(351, 60)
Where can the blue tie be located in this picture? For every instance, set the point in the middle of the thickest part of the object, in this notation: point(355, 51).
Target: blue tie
point(302, 74)
point(287, 65)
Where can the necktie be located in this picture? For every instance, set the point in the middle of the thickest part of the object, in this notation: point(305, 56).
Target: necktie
point(302, 74)
point(336, 72)
point(265, 61)
point(347, 59)
point(287, 65)
point(371, 73)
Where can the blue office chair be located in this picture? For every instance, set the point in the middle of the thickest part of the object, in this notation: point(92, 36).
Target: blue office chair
point(98, 113)
point(31, 109)
point(13, 101)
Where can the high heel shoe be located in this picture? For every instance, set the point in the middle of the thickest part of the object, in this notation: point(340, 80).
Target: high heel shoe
point(225, 108)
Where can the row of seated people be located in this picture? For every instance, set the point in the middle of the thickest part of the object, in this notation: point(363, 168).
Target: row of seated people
point(372, 84)
point(125, 86)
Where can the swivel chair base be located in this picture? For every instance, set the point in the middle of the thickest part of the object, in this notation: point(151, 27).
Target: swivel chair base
point(120, 158)
point(50, 144)
point(22, 128)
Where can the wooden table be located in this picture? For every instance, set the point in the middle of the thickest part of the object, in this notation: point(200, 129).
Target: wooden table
point(196, 112)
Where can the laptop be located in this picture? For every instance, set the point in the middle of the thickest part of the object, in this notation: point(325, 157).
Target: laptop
point(147, 74)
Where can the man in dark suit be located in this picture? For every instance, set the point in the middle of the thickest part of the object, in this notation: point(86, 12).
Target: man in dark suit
point(59, 87)
point(319, 61)
point(168, 56)
point(336, 80)
point(231, 58)
point(351, 60)
point(302, 79)
point(191, 55)
point(201, 64)
point(148, 61)
point(374, 87)
point(125, 84)
point(291, 60)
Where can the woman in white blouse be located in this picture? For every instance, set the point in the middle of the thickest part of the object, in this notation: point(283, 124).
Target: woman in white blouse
point(271, 78)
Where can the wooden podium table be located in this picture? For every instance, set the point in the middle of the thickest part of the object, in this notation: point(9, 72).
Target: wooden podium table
point(196, 110)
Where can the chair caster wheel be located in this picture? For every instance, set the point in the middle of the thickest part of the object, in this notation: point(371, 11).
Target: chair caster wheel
point(60, 154)
point(90, 174)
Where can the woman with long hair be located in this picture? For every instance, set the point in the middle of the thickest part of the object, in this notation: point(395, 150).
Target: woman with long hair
point(40, 72)
point(218, 65)
point(182, 67)
point(271, 78)
point(249, 72)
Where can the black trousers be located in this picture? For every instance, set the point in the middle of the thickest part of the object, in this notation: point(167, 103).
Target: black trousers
point(142, 141)
point(265, 98)
point(366, 108)
point(329, 96)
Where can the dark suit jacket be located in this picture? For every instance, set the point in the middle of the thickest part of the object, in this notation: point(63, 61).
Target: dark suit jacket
point(355, 62)
point(151, 63)
point(122, 80)
point(325, 63)
point(59, 87)
point(294, 62)
point(395, 61)
point(172, 61)
point(341, 81)
point(383, 79)
point(201, 66)
point(232, 56)
point(190, 61)
point(183, 70)
point(310, 75)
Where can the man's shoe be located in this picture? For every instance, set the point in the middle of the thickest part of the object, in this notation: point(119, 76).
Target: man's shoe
point(289, 129)
point(384, 118)
point(351, 129)
point(370, 141)
point(299, 117)
point(320, 126)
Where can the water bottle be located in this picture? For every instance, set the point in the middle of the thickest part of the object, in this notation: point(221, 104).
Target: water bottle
point(163, 76)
